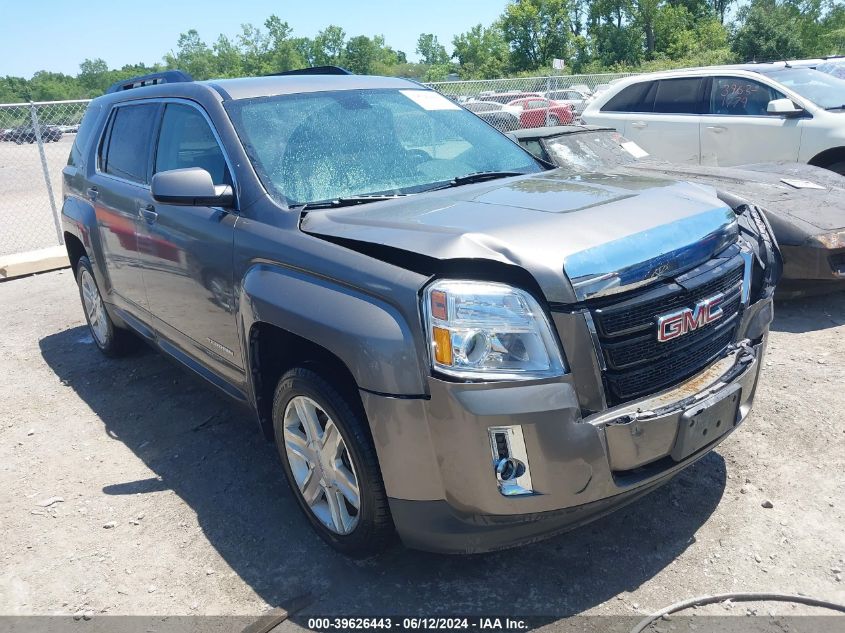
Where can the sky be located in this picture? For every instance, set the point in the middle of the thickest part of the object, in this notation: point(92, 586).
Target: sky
point(57, 35)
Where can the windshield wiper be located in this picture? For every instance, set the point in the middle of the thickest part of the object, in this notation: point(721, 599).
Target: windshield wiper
point(481, 176)
point(839, 107)
point(348, 201)
point(476, 176)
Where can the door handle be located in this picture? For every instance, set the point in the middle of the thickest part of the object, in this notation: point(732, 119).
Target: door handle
point(148, 212)
point(717, 129)
point(639, 124)
point(92, 193)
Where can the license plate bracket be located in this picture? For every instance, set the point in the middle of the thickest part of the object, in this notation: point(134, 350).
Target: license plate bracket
point(706, 422)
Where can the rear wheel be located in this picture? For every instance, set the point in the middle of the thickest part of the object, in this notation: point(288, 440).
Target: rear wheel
point(553, 121)
point(330, 463)
point(112, 340)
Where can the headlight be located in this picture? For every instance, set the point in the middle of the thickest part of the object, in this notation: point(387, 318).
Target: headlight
point(488, 331)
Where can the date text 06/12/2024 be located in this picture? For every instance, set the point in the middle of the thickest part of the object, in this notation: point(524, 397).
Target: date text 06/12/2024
point(418, 623)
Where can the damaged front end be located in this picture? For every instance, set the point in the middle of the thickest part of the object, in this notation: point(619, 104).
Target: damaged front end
point(661, 314)
point(653, 420)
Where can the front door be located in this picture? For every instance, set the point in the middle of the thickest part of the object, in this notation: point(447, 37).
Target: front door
point(119, 190)
point(738, 130)
point(187, 251)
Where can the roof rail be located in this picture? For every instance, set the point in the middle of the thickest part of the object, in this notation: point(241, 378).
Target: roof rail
point(314, 70)
point(167, 76)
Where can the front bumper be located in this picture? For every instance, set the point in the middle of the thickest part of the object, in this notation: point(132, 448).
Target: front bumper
point(811, 269)
point(437, 465)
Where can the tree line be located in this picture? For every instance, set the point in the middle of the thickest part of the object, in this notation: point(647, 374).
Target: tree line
point(589, 35)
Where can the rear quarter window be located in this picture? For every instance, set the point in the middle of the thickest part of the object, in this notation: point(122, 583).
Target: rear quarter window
point(637, 97)
point(87, 128)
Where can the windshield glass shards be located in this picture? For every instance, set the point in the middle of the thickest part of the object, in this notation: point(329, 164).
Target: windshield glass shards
point(334, 145)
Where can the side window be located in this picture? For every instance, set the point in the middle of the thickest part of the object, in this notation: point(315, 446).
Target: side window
point(679, 96)
point(126, 150)
point(186, 140)
point(533, 146)
point(740, 97)
point(638, 97)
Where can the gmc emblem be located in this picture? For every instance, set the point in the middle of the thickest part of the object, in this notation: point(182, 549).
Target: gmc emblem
point(675, 324)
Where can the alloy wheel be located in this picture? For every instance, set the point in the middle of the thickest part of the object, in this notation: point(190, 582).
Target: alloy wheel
point(94, 308)
point(321, 465)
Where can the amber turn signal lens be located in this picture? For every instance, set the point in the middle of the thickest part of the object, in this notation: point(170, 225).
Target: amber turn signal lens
point(438, 305)
point(442, 346)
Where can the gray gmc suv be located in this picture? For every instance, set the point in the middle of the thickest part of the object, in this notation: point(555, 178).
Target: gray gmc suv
point(446, 338)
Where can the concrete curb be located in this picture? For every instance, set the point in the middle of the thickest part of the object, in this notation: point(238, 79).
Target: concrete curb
point(39, 261)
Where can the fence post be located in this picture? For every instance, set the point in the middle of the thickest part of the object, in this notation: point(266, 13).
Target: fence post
point(36, 128)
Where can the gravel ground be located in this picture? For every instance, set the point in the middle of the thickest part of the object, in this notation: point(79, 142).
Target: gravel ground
point(129, 487)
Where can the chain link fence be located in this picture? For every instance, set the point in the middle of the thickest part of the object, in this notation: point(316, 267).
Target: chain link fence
point(480, 88)
point(499, 101)
point(35, 140)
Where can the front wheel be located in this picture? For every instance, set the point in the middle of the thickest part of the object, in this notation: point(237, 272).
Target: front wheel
point(330, 463)
point(112, 340)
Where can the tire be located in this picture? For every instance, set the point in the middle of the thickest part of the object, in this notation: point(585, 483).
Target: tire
point(356, 532)
point(553, 121)
point(110, 339)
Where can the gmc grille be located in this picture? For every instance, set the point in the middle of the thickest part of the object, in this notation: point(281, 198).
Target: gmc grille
point(636, 362)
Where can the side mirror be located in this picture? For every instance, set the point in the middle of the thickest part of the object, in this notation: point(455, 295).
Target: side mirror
point(191, 187)
point(784, 107)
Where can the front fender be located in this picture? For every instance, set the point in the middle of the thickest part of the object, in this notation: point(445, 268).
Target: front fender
point(369, 335)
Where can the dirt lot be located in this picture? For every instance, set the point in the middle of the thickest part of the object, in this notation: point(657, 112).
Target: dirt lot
point(129, 487)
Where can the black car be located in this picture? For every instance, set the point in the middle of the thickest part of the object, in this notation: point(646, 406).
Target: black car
point(804, 204)
point(21, 135)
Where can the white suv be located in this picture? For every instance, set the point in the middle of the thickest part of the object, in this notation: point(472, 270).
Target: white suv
point(730, 115)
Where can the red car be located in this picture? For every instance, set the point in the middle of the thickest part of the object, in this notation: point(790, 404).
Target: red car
point(540, 112)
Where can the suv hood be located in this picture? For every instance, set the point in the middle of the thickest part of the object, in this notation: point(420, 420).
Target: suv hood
point(579, 236)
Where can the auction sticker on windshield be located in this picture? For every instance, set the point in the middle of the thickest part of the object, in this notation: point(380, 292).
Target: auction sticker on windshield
point(430, 100)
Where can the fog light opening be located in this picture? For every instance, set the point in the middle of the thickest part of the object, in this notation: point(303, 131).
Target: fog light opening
point(509, 468)
point(510, 460)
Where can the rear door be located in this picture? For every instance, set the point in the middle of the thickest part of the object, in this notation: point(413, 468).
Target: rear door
point(667, 125)
point(119, 191)
point(737, 128)
point(187, 251)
